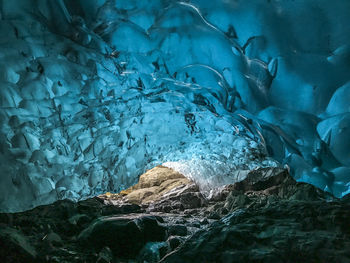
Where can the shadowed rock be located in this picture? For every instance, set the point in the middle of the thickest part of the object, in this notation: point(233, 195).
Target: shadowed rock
point(267, 217)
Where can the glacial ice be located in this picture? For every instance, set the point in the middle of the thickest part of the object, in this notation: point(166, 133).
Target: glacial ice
point(95, 92)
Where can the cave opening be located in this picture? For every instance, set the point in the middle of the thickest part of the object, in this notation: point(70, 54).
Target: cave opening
point(174, 131)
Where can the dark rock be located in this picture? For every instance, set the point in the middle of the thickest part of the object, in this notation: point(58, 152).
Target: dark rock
point(15, 247)
point(289, 231)
point(263, 178)
point(177, 230)
point(214, 215)
point(80, 220)
point(121, 235)
point(105, 255)
point(53, 239)
point(125, 236)
point(120, 209)
point(192, 200)
point(151, 229)
point(180, 221)
point(196, 225)
point(174, 242)
point(267, 217)
point(153, 252)
point(236, 201)
point(204, 221)
point(163, 250)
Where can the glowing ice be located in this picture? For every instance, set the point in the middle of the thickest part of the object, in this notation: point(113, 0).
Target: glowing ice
point(95, 92)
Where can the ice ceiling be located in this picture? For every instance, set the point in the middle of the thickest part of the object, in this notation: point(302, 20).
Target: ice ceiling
point(93, 92)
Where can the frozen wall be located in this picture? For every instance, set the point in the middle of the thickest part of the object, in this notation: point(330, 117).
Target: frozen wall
point(92, 93)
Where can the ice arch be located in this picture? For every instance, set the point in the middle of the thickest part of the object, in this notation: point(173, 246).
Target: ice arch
point(95, 92)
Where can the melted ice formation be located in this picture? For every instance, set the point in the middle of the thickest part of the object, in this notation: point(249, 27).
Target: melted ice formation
point(95, 92)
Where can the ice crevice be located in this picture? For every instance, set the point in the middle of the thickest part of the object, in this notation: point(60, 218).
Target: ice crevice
point(93, 93)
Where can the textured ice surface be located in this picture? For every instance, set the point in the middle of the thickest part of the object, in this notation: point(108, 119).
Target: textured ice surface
point(92, 93)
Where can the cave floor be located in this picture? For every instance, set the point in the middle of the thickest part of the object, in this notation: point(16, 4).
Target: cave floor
point(268, 217)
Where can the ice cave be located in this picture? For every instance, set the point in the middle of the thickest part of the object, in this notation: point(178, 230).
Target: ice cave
point(175, 131)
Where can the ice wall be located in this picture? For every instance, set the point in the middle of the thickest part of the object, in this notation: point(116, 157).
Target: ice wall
point(92, 93)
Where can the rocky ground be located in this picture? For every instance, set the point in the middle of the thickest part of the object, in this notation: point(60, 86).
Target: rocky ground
point(268, 217)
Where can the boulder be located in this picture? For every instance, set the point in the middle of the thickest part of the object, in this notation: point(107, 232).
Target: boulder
point(124, 235)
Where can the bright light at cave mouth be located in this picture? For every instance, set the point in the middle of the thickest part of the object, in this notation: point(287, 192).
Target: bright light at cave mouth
point(93, 93)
